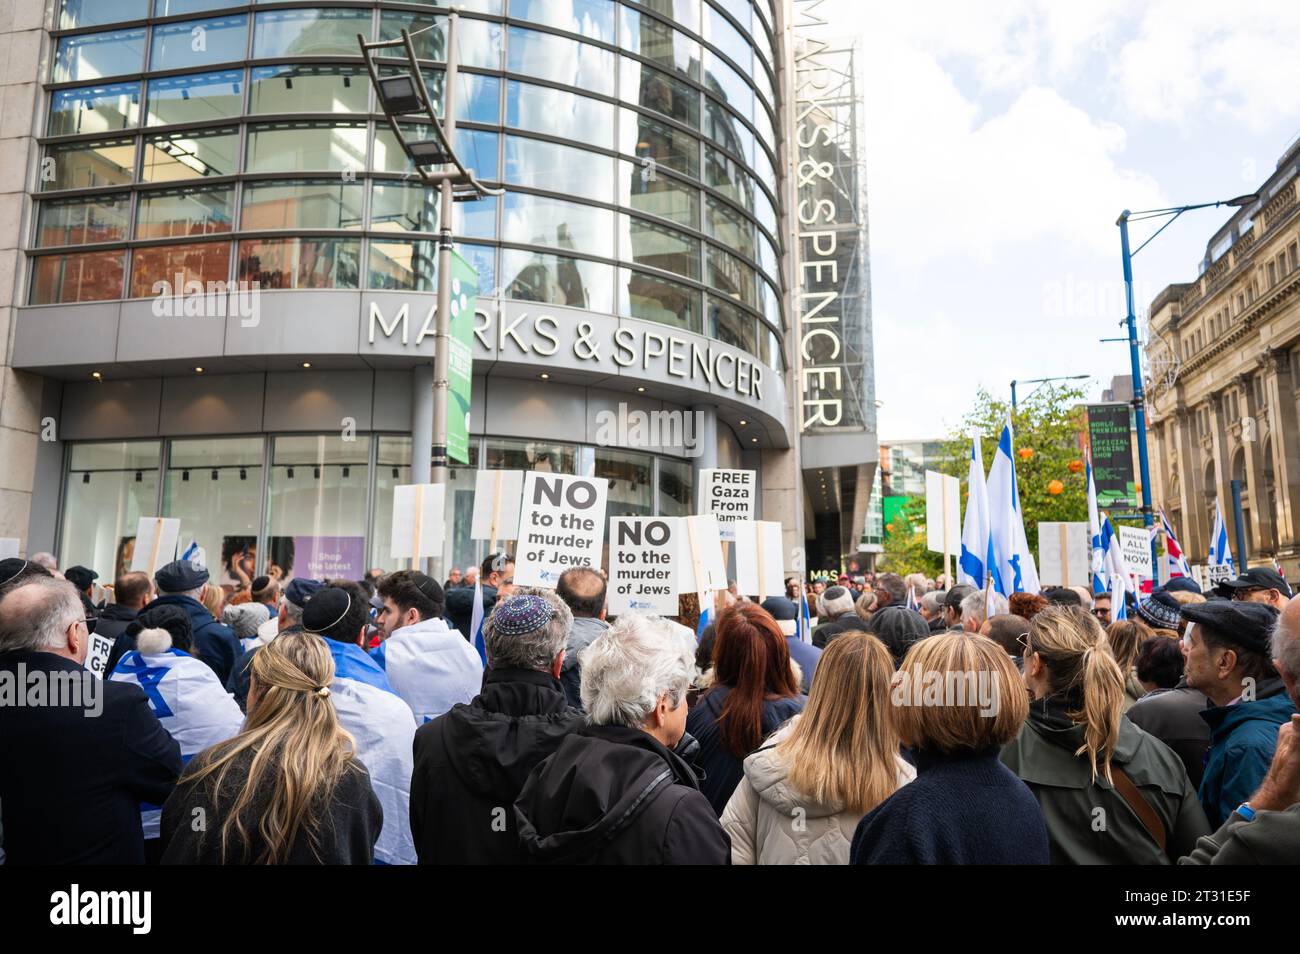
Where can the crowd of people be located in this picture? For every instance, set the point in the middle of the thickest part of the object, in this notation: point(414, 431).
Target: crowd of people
point(867, 720)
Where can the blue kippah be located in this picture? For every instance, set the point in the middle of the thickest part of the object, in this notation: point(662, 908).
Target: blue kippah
point(522, 614)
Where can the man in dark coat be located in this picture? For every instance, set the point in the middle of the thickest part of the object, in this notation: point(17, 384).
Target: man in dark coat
point(75, 767)
point(471, 762)
point(836, 604)
point(1174, 717)
point(497, 572)
point(131, 593)
point(182, 583)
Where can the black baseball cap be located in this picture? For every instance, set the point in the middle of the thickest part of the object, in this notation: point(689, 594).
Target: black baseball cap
point(1259, 577)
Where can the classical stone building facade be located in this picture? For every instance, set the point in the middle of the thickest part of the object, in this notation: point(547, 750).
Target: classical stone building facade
point(1224, 357)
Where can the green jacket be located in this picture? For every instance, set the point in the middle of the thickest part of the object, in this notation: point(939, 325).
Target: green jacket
point(1273, 838)
point(1089, 822)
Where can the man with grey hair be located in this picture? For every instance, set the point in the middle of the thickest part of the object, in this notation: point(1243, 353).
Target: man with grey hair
point(1265, 829)
point(471, 762)
point(73, 771)
point(836, 605)
point(974, 612)
point(932, 611)
point(617, 791)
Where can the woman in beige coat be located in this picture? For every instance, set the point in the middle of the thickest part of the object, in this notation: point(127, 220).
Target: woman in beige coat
point(804, 792)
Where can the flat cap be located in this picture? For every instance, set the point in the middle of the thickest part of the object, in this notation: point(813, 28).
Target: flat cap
point(300, 590)
point(1248, 625)
point(80, 576)
point(179, 576)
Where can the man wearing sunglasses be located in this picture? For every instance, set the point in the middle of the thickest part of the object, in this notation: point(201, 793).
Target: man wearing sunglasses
point(1258, 585)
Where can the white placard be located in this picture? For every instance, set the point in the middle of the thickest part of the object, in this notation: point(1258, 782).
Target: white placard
point(643, 558)
point(729, 495)
point(759, 564)
point(497, 497)
point(942, 513)
point(97, 651)
point(418, 520)
point(1135, 544)
point(1064, 554)
point(1216, 573)
point(9, 547)
point(561, 525)
point(155, 543)
point(701, 568)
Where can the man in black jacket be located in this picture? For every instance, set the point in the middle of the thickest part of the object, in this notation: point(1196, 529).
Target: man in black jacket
point(131, 592)
point(471, 762)
point(498, 573)
point(75, 763)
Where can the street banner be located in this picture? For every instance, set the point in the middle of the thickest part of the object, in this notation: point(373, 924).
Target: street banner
point(561, 525)
point(330, 557)
point(942, 513)
point(730, 494)
point(460, 355)
point(759, 565)
point(1135, 544)
point(643, 565)
point(155, 543)
point(1110, 438)
point(418, 521)
point(1064, 554)
point(498, 495)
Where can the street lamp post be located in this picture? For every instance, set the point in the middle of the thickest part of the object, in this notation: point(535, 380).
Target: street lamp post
point(1135, 357)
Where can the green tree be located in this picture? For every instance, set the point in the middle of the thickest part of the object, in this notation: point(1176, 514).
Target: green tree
point(1049, 424)
point(905, 549)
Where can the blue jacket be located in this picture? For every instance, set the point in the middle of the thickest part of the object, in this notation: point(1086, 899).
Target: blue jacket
point(1242, 740)
point(214, 642)
point(806, 655)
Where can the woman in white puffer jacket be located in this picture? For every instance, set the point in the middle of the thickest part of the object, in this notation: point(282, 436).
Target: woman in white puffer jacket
point(807, 788)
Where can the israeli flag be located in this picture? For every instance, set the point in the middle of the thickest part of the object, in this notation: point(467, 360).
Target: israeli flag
point(706, 614)
point(431, 667)
point(805, 618)
point(1098, 552)
point(1220, 551)
point(976, 541)
point(476, 621)
point(1174, 550)
point(1015, 571)
point(186, 696)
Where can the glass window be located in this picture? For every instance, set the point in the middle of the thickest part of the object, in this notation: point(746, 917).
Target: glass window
point(214, 485)
point(202, 262)
point(724, 223)
point(94, 109)
point(198, 97)
point(561, 60)
point(100, 218)
point(728, 85)
point(309, 89)
point(530, 276)
point(729, 324)
point(557, 113)
point(720, 31)
point(733, 277)
point(641, 187)
point(535, 220)
point(109, 488)
point(187, 155)
point(403, 207)
point(193, 43)
point(316, 520)
point(476, 148)
point(659, 300)
point(309, 204)
point(478, 97)
point(90, 276)
point(654, 89)
point(91, 56)
point(726, 175)
point(484, 260)
point(772, 350)
point(79, 14)
point(659, 42)
point(302, 147)
point(631, 483)
point(557, 168)
point(85, 165)
point(175, 8)
point(764, 46)
point(643, 137)
point(724, 128)
point(593, 19)
point(764, 211)
point(648, 243)
point(393, 459)
point(685, 12)
point(177, 212)
point(767, 257)
point(409, 265)
point(317, 32)
point(300, 263)
point(479, 40)
point(505, 453)
point(764, 169)
point(676, 488)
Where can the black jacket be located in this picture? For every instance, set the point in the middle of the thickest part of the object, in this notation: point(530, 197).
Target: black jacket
point(1174, 717)
point(237, 684)
point(112, 623)
point(460, 607)
point(615, 796)
point(824, 633)
point(347, 827)
point(471, 762)
point(71, 781)
point(214, 642)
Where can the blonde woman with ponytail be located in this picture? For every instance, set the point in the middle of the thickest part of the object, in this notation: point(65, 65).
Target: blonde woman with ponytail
point(288, 789)
point(1110, 793)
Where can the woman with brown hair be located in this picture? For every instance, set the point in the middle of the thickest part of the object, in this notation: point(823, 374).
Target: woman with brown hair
point(1110, 793)
point(754, 693)
point(805, 790)
point(288, 789)
point(1126, 637)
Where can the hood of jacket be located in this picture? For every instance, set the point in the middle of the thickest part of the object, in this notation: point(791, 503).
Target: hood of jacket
point(495, 739)
point(118, 612)
point(584, 632)
point(1271, 705)
point(597, 784)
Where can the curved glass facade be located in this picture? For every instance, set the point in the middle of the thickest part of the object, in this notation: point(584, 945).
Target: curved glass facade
point(223, 141)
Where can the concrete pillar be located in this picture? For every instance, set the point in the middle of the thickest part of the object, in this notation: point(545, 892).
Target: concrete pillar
point(1261, 528)
point(706, 439)
point(1219, 450)
point(1284, 422)
point(1192, 485)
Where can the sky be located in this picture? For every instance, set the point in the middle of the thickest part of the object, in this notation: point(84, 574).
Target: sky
point(1003, 139)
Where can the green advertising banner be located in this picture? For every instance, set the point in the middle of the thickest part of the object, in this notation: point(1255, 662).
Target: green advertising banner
point(1110, 439)
point(460, 366)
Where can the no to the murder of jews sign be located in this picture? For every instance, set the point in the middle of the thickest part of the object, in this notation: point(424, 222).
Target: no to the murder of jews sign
point(729, 494)
point(561, 525)
point(642, 570)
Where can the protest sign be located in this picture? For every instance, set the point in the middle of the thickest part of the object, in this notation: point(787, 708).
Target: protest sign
point(942, 513)
point(418, 520)
point(97, 652)
point(728, 494)
point(8, 547)
point(759, 564)
point(497, 497)
point(1135, 544)
point(701, 566)
point(155, 543)
point(1064, 554)
point(561, 525)
point(643, 558)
